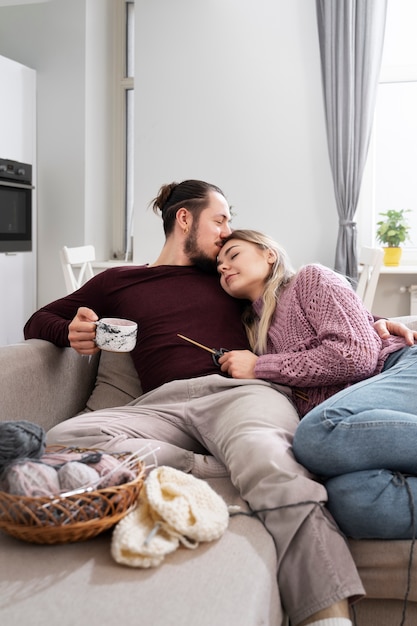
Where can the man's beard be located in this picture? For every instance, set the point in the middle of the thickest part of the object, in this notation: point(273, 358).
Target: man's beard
point(196, 256)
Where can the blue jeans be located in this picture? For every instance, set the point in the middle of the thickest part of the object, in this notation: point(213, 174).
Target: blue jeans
point(363, 443)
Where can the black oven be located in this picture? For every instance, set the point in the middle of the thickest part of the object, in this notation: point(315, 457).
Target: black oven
point(15, 206)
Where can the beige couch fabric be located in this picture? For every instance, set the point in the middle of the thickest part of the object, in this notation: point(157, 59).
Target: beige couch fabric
point(224, 582)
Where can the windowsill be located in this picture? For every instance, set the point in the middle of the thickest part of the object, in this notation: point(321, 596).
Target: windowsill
point(408, 263)
point(399, 269)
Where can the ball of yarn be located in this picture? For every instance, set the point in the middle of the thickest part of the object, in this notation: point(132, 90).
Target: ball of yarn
point(113, 471)
point(32, 478)
point(20, 439)
point(74, 475)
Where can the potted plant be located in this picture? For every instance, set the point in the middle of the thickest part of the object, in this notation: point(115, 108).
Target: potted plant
point(392, 232)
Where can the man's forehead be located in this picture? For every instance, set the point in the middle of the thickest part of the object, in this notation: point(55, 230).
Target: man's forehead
point(218, 211)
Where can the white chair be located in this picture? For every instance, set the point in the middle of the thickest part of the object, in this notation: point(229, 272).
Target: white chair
point(371, 260)
point(78, 259)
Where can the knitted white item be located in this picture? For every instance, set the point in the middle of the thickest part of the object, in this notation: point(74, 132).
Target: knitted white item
point(173, 507)
point(188, 505)
point(135, 542)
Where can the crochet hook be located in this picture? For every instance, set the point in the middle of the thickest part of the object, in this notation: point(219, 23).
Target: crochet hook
point(216, 354)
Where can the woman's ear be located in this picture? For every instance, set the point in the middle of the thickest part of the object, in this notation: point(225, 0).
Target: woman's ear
point(271, 256)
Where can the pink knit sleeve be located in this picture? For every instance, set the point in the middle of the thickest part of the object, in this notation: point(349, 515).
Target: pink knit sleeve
point(322, 335)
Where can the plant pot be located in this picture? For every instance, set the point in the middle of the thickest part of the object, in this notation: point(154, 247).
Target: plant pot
point(392, 256)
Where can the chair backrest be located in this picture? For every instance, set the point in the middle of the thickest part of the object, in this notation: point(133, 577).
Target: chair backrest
point(371, 260)
point(76, 265)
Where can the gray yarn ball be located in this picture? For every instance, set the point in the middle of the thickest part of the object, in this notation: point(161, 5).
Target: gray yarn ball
point(20, 439)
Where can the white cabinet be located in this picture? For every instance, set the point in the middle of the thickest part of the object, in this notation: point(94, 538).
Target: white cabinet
point(17, 296)
point(18, 143)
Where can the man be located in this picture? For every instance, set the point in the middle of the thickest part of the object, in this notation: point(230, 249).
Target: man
point(201, 421)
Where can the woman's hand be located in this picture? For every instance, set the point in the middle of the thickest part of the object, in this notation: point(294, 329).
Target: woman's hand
point(238, 363)
point(82, 331)
point(385, 328)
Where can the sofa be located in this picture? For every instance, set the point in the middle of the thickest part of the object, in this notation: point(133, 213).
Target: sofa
point(225, 582)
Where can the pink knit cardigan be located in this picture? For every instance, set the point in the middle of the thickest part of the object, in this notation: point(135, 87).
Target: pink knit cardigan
point(321, 338)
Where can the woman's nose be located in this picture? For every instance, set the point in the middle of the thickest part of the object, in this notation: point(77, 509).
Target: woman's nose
point(221, 267)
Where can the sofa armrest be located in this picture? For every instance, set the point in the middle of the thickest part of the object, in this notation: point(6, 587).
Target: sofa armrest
point(42, 383)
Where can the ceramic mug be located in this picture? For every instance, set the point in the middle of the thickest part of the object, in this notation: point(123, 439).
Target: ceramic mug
point(116, 335)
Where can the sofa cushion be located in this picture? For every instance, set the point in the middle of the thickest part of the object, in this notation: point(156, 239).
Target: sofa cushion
point(117, 382)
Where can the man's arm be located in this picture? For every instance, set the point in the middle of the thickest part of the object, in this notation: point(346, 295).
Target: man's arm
point(385, 327)
point(69, 321)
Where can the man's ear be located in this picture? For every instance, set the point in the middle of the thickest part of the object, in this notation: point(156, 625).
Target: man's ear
point(183, 218)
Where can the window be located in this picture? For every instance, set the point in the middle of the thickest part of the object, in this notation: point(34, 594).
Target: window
point(389, 179)
point(124, 129)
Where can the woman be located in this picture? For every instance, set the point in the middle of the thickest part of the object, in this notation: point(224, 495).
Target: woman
point(309, 330)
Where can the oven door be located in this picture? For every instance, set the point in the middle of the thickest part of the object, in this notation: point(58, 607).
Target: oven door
point(15, 217)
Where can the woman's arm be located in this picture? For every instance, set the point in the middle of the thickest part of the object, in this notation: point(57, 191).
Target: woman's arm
point(321, 335)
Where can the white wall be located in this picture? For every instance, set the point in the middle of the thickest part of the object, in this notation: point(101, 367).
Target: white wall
point(227, 90)
point(230, 91)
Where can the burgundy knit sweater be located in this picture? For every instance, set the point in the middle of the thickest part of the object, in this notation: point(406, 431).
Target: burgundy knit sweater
point(163, 300)
point(321, 338)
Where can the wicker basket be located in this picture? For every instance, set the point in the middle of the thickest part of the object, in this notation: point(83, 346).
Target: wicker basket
point(71, 518)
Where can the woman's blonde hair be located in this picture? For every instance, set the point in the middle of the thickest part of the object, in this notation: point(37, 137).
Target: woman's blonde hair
point(281, 273)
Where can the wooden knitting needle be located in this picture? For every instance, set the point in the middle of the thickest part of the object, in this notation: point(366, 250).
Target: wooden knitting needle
point(200, 345)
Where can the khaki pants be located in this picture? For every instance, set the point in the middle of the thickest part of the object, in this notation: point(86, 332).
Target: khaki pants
point(248, 425)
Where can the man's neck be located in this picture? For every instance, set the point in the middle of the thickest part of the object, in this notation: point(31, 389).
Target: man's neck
point(171, 255)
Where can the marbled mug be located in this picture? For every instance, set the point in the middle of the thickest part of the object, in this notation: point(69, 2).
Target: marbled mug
point(116, 335)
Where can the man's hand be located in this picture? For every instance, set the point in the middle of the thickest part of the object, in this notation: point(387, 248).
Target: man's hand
point(238, 363)
point(82, 331)
point(386, 327)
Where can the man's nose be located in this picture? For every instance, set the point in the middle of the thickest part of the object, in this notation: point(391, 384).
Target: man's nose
point(226, 230)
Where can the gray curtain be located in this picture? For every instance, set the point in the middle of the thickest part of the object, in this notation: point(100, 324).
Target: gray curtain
point(351, 35)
